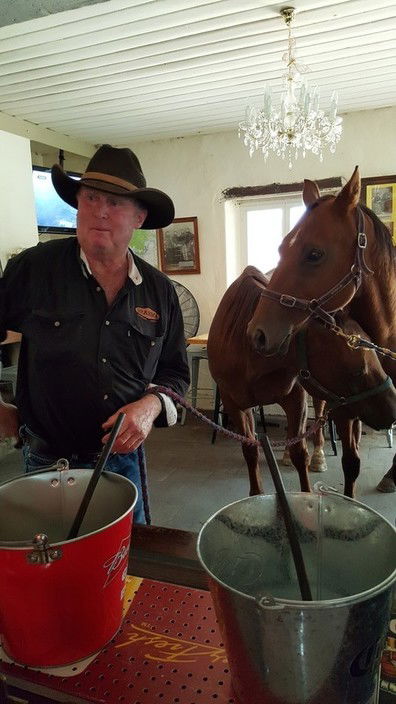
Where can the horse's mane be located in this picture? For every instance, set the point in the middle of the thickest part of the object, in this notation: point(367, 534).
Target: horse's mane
point(382, 235)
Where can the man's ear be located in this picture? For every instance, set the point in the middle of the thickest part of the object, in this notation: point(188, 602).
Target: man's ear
point(140, 217)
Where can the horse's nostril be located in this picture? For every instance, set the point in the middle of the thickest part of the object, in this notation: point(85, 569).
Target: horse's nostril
point(259, 339)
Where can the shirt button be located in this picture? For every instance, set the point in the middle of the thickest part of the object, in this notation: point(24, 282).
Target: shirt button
point(105, 397)
point(152, 343)
point(56, 323)
point(104, 360)
point(107, 322)
point(98, 288)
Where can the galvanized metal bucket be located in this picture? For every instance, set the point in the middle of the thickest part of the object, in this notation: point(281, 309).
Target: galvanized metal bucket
point(283, 650)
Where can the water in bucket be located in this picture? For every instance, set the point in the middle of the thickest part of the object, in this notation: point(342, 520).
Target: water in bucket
point(283, 650)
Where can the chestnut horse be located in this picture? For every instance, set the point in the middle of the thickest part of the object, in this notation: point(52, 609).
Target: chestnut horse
point(339, 254)
point(332, 371)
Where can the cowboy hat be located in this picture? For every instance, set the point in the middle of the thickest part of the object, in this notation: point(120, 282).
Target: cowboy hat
point(117, 171)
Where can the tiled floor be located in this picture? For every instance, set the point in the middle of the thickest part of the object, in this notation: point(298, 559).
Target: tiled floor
point(190, 479)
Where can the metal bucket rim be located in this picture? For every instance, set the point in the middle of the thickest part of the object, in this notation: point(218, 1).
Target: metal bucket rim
point(23, 545)
point(297, 603)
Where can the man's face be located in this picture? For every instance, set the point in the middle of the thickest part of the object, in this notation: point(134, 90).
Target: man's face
point(106, 221)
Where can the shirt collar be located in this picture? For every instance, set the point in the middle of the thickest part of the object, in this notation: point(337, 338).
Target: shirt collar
point(133, 272)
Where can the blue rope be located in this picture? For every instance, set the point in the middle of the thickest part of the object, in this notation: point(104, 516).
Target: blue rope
point(143, 481)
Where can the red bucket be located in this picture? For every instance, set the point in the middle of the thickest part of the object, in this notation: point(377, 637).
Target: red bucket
point(61, 600)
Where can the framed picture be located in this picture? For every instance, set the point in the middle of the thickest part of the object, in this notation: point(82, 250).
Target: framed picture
point(178, 247)
point(145, 244)
point(379, 194)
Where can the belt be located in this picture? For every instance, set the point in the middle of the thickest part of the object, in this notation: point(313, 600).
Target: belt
point(42, 447)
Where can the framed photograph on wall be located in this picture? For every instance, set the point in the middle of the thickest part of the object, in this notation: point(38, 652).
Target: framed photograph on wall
point(379, 194)
point(145, 244)
point(179, 248)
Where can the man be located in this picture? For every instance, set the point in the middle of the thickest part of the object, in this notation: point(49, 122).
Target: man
point(99, 326)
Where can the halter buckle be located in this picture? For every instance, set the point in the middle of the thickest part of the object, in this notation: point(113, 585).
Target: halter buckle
point(288, 301)
point(313, 305)
point(304, 373)
point(362, 240)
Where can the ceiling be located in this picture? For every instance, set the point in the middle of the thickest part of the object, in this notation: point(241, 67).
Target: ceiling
point(126, 70)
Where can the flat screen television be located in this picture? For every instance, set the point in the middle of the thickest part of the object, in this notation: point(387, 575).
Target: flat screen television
point(53, 214)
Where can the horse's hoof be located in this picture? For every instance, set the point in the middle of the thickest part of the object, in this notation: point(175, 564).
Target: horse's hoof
point(387, 485)
point(318, 462)
point(286, 461)
point(318, 466)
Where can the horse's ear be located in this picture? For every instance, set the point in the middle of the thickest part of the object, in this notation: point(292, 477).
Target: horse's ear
point(311, 192)
point(349, 197)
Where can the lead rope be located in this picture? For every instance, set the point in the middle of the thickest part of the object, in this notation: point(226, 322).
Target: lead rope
point(355, 341)
point(319, 423)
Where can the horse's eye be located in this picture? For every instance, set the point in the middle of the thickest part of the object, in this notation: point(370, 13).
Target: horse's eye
point(315, 255)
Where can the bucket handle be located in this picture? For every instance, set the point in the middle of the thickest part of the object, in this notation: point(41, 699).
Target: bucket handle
point(62, 465)
point(320, 488)
point(267, 602)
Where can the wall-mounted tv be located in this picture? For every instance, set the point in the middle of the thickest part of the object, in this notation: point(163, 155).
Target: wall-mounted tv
point(53, 214)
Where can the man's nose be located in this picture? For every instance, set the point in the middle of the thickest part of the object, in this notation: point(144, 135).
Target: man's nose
point(102, 208)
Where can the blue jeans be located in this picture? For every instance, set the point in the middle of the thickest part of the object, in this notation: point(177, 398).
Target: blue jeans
point(126, 465)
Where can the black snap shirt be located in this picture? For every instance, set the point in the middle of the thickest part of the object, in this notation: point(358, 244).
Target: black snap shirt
point(80, 360)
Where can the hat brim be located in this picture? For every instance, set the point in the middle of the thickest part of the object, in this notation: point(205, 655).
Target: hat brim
point(160, 208)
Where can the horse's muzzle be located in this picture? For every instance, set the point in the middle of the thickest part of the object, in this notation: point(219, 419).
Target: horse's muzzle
point(260, 344)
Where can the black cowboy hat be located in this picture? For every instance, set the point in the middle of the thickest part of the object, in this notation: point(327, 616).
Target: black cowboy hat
point(117, 171)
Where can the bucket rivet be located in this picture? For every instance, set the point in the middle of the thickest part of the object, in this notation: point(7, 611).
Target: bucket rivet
point(54, 482)
point(71, 480)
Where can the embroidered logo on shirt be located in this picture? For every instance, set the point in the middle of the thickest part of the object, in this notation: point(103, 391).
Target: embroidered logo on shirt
point(147, 314)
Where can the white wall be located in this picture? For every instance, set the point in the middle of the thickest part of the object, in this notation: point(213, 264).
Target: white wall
point(18, 218)
point(195, 170)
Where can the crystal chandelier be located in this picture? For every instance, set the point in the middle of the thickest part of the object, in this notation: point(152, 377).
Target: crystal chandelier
point(298, 124)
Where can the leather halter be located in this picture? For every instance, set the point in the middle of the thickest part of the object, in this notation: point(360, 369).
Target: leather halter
point(333, 400)
point(314, 306)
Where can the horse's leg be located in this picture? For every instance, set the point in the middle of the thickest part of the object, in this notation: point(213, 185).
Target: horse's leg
point(286, 459)
point(388, 482)
point(251, 455)
point(349, 432)
point(318, 460)
point(243, 423)
point(295, 407)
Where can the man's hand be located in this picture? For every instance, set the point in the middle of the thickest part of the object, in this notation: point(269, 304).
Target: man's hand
point(9, 421)
point(139, 418)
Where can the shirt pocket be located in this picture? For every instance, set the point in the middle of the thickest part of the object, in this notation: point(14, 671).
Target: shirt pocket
point(149, 339)
point(54, 335)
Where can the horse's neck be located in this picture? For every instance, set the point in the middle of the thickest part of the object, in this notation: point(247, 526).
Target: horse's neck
point(374, 308)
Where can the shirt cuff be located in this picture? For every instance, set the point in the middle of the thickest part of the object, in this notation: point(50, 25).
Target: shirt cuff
point(168, 415)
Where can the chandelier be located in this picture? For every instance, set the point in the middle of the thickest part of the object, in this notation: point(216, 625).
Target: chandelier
point(298, 124)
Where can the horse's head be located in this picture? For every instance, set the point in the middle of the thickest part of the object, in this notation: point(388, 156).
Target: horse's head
point(314, 257)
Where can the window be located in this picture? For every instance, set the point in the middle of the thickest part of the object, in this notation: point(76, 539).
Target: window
point(265, 221)
point(258, 217)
